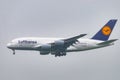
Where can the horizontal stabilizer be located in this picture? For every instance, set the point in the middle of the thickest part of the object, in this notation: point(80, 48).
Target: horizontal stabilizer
point(107, 42)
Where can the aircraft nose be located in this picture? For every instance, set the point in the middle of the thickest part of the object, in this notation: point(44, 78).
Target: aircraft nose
point(8, 45)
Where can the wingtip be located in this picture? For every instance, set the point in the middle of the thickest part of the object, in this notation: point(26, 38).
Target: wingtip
point(83, 34)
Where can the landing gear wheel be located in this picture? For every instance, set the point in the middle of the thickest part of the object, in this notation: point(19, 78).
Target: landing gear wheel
point(59, 54)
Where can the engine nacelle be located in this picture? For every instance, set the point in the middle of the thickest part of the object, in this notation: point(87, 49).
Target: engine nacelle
point(57, 46)
point(59, 43)
point(45, 49)
point(44, 52)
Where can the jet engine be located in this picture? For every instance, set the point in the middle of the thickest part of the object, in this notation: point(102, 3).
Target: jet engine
point(45, 49)
point(57, 46)
point(59, 43)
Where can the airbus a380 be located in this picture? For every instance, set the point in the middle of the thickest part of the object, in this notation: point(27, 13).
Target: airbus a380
point(60, 46)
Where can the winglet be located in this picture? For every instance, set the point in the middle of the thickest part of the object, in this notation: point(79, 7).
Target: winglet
point(106, 30)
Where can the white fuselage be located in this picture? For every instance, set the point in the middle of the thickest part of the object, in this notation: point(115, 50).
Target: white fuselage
point(30, 43)
point(59, 46)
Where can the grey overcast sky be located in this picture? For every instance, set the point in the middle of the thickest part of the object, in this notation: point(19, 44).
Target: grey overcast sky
point(58, 18)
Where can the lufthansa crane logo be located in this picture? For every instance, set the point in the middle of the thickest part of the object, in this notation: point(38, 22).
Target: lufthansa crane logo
point(106, 30)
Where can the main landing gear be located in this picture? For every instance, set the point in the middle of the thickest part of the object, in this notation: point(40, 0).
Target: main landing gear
point(60, 54)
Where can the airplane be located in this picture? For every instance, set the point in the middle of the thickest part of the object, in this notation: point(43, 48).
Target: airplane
point(60, 46)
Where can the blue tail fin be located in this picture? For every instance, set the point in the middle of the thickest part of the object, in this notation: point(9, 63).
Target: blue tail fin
point(106, 30)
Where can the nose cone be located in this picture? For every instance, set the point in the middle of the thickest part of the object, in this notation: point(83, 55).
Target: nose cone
point(8, 45)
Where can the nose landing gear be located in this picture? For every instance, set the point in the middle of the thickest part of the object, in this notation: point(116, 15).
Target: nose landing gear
point(13, 52)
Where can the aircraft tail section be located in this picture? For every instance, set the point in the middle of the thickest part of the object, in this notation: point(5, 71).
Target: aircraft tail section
point(106, 30)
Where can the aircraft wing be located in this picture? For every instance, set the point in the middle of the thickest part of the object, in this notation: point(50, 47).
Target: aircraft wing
point(68, 42)
point(59, 50)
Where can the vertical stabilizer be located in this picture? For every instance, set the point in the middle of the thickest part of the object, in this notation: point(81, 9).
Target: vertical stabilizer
point(106, 30)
